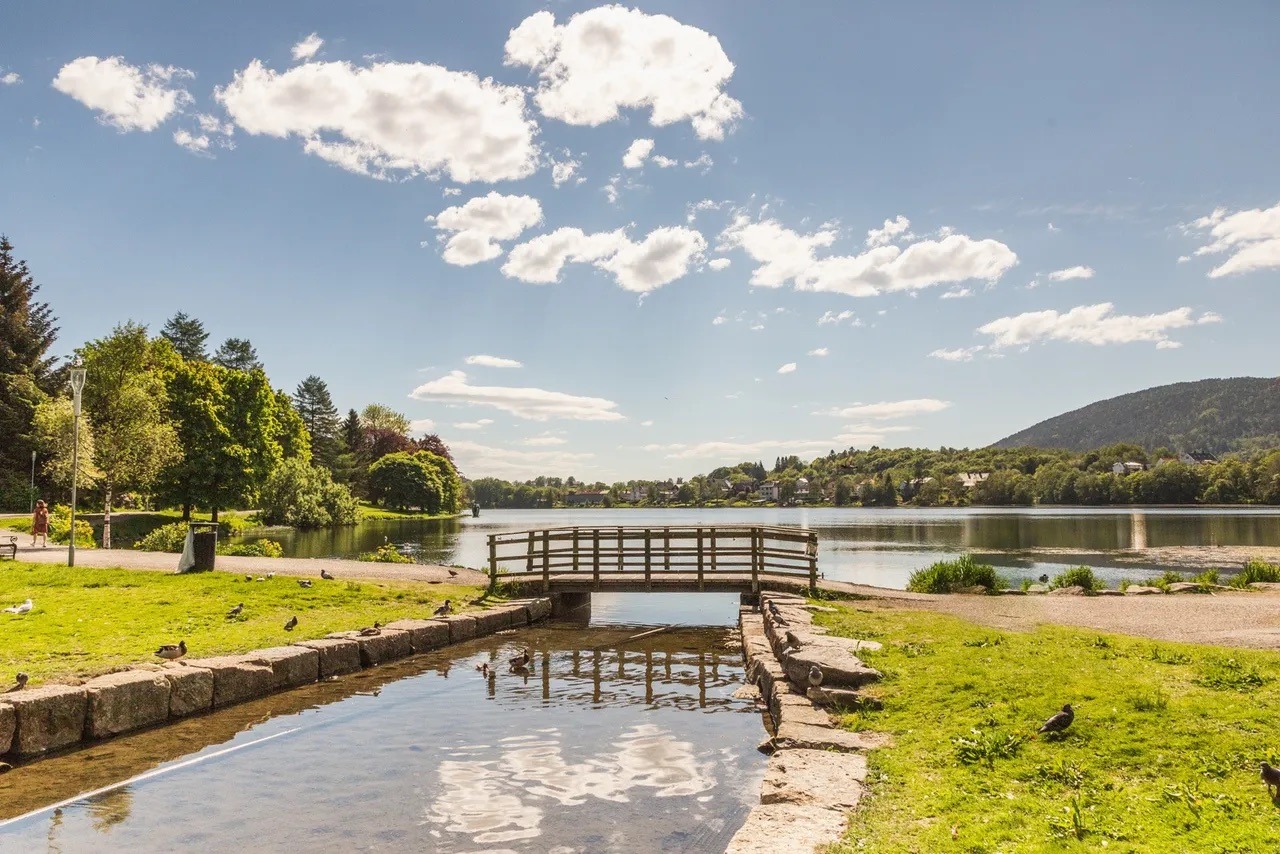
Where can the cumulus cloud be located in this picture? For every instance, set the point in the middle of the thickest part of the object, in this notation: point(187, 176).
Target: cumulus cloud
point(718, 264)
point(663, 256)
point(421, 425)
point(957, 293)
point(648, 423)
point(664, 162)
point(738, 450)
point(820, 351)
point(543, 441)
point(1077, 272)
point(719, 320)
point(1252, 238)
point(788, 368)
point(785, 256)
point(892, 229)
point(1089, 324)
point(480, 460)
point(637, 153)
point(308, 47)
point(611, 58)
point(10, 78)
point(390, 118)
point(959, 354)
point(476, 227)
point(197, 144)
point(562, 171)
point(534, 404)
point(886, 410)
point(473, 425)
point(493, 362)
point(126, 96)
point(831, 317)
point(703, 161)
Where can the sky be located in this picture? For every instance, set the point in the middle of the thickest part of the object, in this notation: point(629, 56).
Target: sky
point(621, 242)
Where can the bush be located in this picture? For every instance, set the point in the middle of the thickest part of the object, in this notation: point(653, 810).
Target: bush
point(1169, 577)
point(301, 496)
point(946, 576)
point(1208, 578)
point(386, 553)
point(1079, 576)
point(1257, 570)
point(258, 548)
point(166, 538)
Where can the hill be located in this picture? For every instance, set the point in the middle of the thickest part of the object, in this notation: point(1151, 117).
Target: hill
point(1216, 415)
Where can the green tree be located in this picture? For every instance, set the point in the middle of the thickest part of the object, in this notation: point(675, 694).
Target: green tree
point(304, 496)
point(238, 355)
point(187, 335)
point(403, 481)
point(352, 432)
point(54, 430)
point(315, 406)
point(378, 417)
point(126, 400)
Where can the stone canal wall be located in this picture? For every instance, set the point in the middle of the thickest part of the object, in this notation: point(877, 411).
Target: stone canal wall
point(38, 721)
point(817, 771)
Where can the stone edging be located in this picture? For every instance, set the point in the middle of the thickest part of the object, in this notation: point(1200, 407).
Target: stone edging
point(817, 771)
point(41, 720)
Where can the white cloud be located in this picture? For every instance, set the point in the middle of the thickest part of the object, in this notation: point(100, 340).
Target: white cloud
point(1077, 272)
point(1053, 227)
point(451, 191)
point(664, 255)
point(788, 368)
point(125, 96)
point(473, 425)
point(757, 327)
point(421, 425)
point(637, 153)
point(390, 118)
point(785, 255)
point(832, 317)
point(957, 293)
point(1252, 237)
point(719, 320)
point(1209, 317)
point(563, 171)
point(889, 409)
point(612, 58)
point(479, 460)
point(478, 225)
point(493, 362)
point(193, 143)
point(664, 162)
point(723, 451)
point(960, 354)
point(11, 78)
point(820, 351)
point(544, 441)
point(648, 423)
point(718, 264)
point(534, 404)
point(308, 47)
point(1085, 324)
point(893, 228)
point(702, 161)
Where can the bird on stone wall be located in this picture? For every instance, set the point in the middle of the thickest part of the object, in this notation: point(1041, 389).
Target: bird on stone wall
point(326, 575)
point(236, 611)
point(20, 682)
point(371, 631)
point(172, 652)
point(815, 676)
point(1060, 721)
point(793, 640)
point(291, 624)
point(1270, 776)
point(444, 609)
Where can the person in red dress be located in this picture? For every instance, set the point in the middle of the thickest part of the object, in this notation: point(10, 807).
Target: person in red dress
point(40, 524)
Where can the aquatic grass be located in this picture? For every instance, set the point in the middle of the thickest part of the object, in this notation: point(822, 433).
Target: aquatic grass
point(385, 553)
point(1079, 576)
point(89, 621)
point(1155, 761)
point(946, 576)
point(1257, 571)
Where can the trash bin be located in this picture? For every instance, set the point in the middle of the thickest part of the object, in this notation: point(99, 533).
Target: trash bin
point(204, 545)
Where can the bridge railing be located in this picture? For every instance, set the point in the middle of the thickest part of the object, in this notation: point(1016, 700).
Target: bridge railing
point(695, 553)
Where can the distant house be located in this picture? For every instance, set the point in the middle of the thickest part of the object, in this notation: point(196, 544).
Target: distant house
point(1195, 458)
point(802, 488)
point(769, 490)
point(970, 479)
point(1127, 468)
point(585, 499)
point(635, 493)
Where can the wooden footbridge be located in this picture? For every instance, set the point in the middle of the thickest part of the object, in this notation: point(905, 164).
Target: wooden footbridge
point(720, 558)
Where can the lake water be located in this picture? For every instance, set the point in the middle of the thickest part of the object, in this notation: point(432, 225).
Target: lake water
point(604, 747)
point(864, 545)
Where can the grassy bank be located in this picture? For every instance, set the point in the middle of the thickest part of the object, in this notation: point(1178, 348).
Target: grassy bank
point(372, 511)
point(1163, 754)
point(88, 621)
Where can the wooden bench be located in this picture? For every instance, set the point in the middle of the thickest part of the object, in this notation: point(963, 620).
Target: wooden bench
point(11, 547)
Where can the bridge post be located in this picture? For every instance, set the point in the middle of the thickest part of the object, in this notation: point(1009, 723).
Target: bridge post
point(595, 556)
point(700, 559)
point(621, 545)
point(546, 561)
point(811, 549)
point(757, 543)
point(575, 550)
point(666, 549)
point(648, 559)
point(493, 562)
point(528, 560)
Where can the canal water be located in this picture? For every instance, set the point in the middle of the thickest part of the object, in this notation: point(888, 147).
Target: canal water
point(605, 746)
point(863, 545)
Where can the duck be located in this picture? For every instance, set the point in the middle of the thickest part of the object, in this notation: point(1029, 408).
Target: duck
point(305, 583)
point(24, 608)
point(1270, 776)
point(444, 609)
point(236, 611)
point(326, 575)
point(521, 661)
point(270, 575)
point(483, 667)
point(248, 578)
point(371, 631)
point(172, 652)
point(815, 676)
point(291, 624)
point(1060, 721)
point(1044, 578)
point(19, 682)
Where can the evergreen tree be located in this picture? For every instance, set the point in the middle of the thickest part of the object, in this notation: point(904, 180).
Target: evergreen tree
point(320, 417)
point(187, 335)
point(238, 355)
point(352, 432)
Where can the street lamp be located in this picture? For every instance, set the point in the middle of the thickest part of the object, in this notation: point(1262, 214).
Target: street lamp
point(77, 386)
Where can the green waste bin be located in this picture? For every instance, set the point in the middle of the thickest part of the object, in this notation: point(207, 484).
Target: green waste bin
point(204, 545)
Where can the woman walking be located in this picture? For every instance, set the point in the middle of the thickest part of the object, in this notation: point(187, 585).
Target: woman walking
point(40, 525)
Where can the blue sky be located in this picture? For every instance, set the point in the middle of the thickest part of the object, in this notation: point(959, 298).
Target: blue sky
point(380, 194)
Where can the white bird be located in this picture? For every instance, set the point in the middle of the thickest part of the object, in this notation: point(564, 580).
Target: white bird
point(24, 608)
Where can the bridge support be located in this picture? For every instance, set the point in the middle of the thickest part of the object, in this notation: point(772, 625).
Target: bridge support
point(574, 606)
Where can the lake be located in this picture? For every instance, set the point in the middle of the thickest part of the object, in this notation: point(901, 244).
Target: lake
point(864, 545)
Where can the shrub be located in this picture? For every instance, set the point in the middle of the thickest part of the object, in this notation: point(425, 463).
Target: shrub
point(258, 548)
point(386, 553)
point(1125, 584)
point(302, 496)
point(1208, 578)
point(1169, 577)
point(1079, 576)
point(948, 575)
point(166, 538)
point(1256, 570)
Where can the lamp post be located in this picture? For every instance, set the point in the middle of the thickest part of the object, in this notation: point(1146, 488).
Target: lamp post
point(77, 386)
point(33, 483)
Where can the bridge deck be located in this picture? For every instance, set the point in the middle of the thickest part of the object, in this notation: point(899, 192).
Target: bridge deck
point(658, 582)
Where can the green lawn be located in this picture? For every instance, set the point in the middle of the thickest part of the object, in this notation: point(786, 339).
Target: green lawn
point(88, 621)
point(1163, 754)
point(373, 511)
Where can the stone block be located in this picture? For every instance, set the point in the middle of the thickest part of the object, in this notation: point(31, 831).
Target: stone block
point(843, 698)
point(7, 721)
point(798, 736)
point(338, 656)
point(840, 667)
point(424, 635)
point(1142, 590)
point(291, 666)
point(1069, 590)
point(1186, 587)
point(796, 708)
point(120, 702)
point(773, 828)
point(539, 609)
point(236, 678)
point(517, 614)
point(190, 690)
point(814, 778)
point(462, 627)
point(390, 645)
point(488, 622)
point(47, 718)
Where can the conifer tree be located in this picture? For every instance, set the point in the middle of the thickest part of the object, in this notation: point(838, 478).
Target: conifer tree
point(187, 335)
point(238, 355)
point(320, 417)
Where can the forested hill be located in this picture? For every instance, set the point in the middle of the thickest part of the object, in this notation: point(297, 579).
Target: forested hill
point(1216, 415)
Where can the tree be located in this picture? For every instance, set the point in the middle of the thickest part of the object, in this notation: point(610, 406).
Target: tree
point(238, 355)
point(126, 401)
point(187, 335)
point(402, 481)
point(304, 496)
point(53, 427)
point(320, 418)
point(378, 417)
point(352, 432)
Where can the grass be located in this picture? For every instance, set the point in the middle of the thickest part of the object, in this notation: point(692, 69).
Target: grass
point(948, 575)
point(1256, 570)
point(89, 621)
point(1078, 576)
point(370, 511)
point(1163, 754)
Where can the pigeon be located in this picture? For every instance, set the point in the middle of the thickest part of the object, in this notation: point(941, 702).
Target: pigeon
point(1060, 721)
point(443, 609)
point(371, 631)
point(1270, 776)
point(172, 652)
point(236, 611)
point(271, 575)
point(20, 682)
point(453, 573)
point(291, 624)
point(326, 575)
point(305, 583)
point(259, 578)
point(1044, 579)
point(792, 640)
point(815, 676)
point(248, 578)
point(24, 608)
point(521, 661)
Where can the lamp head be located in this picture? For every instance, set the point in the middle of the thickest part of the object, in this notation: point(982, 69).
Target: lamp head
point(77, 380)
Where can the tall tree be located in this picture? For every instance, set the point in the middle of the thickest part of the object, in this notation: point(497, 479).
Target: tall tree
point(187, 335)
point(238, 355)
point(352, 431)
point(53, 428)
point(378, 417)
point(126, 401)
point(320, 417)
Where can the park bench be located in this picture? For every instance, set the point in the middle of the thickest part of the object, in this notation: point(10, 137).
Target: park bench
point(11, 547)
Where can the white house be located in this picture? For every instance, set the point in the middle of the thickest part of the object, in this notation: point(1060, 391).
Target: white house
point(970, 479)
point(1127, 468)
point(1196, 459)
point(769, 490)
point(802, 488)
